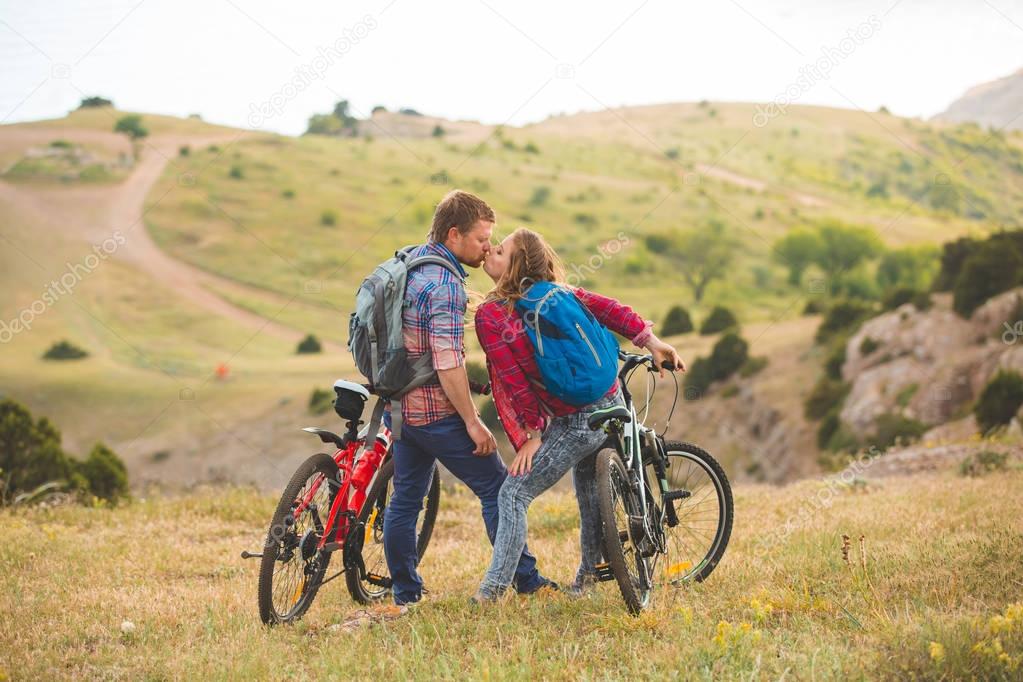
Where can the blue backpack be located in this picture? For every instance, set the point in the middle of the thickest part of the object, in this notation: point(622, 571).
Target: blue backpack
point(576, 354)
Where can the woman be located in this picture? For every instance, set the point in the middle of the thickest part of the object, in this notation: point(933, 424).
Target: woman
point(549, 436)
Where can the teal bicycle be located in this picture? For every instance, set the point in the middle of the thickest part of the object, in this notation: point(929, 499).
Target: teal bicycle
point(666, 506)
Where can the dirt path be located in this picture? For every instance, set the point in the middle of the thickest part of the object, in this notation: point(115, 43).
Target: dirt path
point(94, 213)
point(733, 178)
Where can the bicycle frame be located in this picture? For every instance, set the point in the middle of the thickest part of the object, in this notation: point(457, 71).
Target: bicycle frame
point(356, 475)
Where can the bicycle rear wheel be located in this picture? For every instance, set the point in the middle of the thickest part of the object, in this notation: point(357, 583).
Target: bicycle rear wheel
point(374, 584)
point(622, 521)
point(704, 509)
point(291, 570)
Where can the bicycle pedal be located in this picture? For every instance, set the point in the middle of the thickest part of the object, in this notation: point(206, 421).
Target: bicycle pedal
point(677, 495)
point(604, 572)
point(379, 580)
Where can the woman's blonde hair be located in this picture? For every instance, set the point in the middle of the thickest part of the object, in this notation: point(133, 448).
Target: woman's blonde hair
point(532, 260)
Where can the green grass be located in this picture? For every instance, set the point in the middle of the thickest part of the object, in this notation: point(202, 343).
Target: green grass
point(783, 602)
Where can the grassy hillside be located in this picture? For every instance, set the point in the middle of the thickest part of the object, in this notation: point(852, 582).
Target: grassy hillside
point(932, 571)
point(268, 237)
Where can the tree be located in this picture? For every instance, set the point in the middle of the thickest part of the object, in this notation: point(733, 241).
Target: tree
point(95, 102)
point(999, 401)
point(131, 125)
point(30, 452)
point(105, 473)
point(702, 255)
point(438, 131)
point(796, 251)
point(719, 319)
point(310, 344)
point(910, 268)
point(843, 247)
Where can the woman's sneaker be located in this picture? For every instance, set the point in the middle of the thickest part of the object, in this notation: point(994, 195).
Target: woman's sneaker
point(584, 584)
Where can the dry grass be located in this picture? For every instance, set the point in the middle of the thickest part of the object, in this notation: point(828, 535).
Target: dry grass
point(938, 561)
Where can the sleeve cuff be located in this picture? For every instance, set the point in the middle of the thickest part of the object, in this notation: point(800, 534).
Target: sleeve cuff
point(447, 358)
point(641, 339)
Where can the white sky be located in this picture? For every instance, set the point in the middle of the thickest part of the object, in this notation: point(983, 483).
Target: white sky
point(495, 61)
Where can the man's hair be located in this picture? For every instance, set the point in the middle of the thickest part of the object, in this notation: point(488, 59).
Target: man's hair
point(458, 209)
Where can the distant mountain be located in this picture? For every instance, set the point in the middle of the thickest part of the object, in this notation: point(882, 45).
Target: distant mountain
point(998, 103)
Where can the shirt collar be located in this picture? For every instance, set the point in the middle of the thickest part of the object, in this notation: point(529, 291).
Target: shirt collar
point(444, 251)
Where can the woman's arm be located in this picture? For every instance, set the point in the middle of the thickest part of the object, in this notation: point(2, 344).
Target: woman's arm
point(517, 404)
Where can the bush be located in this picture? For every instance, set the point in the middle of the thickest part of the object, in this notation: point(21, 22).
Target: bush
point(677, 321)
point(868, 346)
point(61, 144)
point(752, 366)
point(826, 396)
point(698, 379)
point(438, 131)
point(921, 300)
point(310, 344)
point(890, 429)
point(104, 474)
point(531, 148)
point(719, 320)
point(999, 401)
point(288, 194)
point(728, 356)
point(477, 372)
point(995, 267)
point(64, 350)
point(984, 462)
point(184, 150)
point(836, 359)
point(328, 218)
point(540, 196)
point(844, 316)
point(320, 400)
point(236, 172)
point(813, 307)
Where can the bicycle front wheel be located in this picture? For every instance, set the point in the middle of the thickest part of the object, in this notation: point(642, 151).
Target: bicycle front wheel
point(624, 536)
point(292, 569)
point(702, 498)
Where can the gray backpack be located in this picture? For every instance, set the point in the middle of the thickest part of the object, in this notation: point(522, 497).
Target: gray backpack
point(377, 343)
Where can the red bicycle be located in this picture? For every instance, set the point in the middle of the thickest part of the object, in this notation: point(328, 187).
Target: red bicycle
point(352, 486)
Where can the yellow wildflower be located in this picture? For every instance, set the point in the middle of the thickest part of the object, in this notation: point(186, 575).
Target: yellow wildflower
point(937, 650)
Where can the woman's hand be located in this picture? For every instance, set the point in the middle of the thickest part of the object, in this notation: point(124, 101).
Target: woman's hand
point(523, 463)
point(664, 352)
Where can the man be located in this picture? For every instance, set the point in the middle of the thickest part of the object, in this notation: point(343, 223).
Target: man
point(440, 420)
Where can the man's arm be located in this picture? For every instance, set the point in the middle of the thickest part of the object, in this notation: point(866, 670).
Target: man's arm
point(455, 383)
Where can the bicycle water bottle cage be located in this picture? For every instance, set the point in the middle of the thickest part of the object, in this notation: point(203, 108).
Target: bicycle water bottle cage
point(616, 412)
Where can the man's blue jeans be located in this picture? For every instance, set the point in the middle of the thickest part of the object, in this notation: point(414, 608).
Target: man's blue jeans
point(448, 442)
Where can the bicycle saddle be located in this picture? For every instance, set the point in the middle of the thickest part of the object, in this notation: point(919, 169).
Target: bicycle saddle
point(618, 412)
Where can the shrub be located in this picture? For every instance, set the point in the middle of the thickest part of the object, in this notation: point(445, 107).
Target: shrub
point(672, 153)
point(995, 267)
point(236, 172)
point(984, 462)
point(184, 150)
point(531, 148)
point(903, 397)
point(328, 217)
point(677, 321)
point(999, 401)
point(61, 144)
point(828, 426)
point(586, 219)
point(752, 366)
point(921, 300)
point(540, 196)
point(698, 379)
point(288, 194)
point(64, 350)
point(868, 346)
point(438, 131)
point(836, 358)
point(844, 316)
point(719, 319)
point(310, 344)
point(890, 429)
point(104, 473)
point(826, 396)
point(728, 355)
point(813, 307)
point(320, 400)
point(477, 372)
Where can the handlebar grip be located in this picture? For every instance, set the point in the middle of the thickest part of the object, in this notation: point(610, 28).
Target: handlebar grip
point(668, 365)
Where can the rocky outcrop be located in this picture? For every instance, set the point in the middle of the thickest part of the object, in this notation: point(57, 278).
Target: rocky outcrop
point(929, 365)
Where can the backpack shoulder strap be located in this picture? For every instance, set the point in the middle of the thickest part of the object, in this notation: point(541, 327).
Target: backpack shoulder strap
point(433, 260)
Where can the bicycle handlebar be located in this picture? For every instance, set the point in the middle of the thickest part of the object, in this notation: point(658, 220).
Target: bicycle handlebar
point(474, 386)
point(633, 359)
